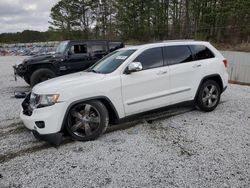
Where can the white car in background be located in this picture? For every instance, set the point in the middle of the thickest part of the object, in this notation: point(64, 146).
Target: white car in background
point(126, 82)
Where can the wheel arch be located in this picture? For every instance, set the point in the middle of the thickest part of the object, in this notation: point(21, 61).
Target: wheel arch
point(35, 67)
point(214, 77)
point(113, 114)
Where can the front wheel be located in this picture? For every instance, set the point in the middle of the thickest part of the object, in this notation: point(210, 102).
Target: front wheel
point(87, 120)
point(26, 79)
point(208, 96)
point(41, 75)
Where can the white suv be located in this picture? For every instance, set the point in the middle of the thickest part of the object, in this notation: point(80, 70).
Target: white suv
point(124, 83)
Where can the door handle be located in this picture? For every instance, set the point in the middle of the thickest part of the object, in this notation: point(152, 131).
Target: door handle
point(197, 66)
point(162, 72)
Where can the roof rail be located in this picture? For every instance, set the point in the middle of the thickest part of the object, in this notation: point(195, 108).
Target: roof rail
point(178, 40)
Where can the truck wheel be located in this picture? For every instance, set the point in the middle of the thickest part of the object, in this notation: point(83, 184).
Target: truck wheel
point(209, 96)
point(41, 75)
point(26, 79)
point(87, 120)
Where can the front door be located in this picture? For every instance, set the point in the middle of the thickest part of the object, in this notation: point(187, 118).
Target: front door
point(149, 88)
point(78, 59)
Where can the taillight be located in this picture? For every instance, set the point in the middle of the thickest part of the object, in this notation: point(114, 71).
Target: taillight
point(225, 62)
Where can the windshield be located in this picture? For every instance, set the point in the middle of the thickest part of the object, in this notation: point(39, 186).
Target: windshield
point(111, 62)
point(61, 47)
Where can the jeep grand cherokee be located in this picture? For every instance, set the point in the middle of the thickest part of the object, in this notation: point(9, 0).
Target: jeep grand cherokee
point(124, 83)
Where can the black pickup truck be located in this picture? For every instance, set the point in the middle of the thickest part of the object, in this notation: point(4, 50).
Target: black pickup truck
point(70, 56)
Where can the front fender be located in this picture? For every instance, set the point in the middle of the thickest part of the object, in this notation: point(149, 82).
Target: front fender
point(111, 105)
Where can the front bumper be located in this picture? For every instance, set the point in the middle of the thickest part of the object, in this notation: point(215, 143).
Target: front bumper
point(19, 70)
point(45, 123)
point(54, 139)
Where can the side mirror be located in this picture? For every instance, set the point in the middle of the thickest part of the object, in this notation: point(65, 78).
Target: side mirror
point(68, 53)
point(134, 67)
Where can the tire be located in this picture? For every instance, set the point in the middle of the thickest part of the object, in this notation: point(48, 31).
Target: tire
point(41, 75)
point(26, 79)
point(87, 120)
point(208, 96)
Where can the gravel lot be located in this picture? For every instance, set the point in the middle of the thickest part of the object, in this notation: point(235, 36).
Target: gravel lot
point(182, 147)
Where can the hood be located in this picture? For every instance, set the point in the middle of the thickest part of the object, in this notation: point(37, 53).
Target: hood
point(58, 84)
point(44, 57)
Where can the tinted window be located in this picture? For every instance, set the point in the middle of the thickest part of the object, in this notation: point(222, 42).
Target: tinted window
point(98, 47)
point(201, 52)
point(150, 58)
point(79, 49)
point(177, 54)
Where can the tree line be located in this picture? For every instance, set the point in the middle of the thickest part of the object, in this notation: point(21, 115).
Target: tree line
point(220, 21)
point(145, 20)
point(28, 36)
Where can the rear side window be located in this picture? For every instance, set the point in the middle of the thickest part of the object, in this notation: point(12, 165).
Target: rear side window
point(99, 47)
point(150, 58)
point(201, 52)
point(177, 54)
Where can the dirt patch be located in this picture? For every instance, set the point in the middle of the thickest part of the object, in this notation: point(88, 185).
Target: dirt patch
point(39, 147)
point(12, 129)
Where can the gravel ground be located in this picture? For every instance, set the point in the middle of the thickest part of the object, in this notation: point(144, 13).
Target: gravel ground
point(180, 147)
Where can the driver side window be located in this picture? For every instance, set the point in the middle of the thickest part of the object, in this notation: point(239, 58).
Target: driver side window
point(78, 49)
point(151, 58)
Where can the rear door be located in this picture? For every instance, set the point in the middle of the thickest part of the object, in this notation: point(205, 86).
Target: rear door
point(147, 89)
point(185, 74)
point(205, 57)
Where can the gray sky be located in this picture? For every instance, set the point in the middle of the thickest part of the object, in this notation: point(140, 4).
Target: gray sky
point(18, 15)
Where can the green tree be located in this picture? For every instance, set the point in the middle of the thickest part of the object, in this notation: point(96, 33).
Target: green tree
point(64, 17)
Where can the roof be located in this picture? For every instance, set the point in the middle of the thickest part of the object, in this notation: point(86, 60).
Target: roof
point(93, 40)
point(163, 43)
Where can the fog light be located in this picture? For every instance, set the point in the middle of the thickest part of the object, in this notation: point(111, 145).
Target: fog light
point(40, 124)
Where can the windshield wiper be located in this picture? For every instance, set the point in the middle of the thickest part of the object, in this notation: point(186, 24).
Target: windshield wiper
point(98, 72)
point(92, 70)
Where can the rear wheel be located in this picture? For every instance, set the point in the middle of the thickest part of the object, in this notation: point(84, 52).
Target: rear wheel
point(41, 75)
point(87, 120)
point(208, 96)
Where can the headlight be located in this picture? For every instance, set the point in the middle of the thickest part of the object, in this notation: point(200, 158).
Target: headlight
point(22, 66)
point(39, 101)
